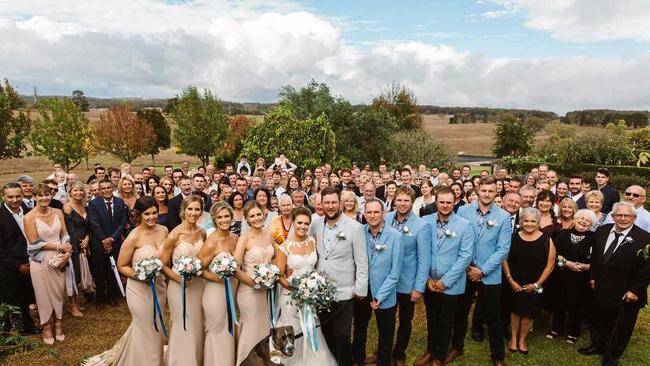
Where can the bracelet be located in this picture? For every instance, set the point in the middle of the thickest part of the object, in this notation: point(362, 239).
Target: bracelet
point(57, 247)
point(536, 286)
point(508, 275)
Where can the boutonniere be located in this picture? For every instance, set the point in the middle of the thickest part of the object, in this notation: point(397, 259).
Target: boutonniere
point(406, 231)
point(628, 240)
point(379, 247)
point(492, 223)
point(340, 235)
point(450, 234)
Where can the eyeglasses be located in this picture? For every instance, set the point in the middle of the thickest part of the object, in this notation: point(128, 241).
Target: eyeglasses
point(635, 195)
point(623, 216)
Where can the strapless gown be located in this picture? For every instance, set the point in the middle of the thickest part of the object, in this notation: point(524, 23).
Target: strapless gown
point(253, 305)
point(186, 347)
point(141, 344)
point(219, 344)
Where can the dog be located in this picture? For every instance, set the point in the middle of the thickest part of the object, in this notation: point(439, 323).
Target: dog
point(271, 350)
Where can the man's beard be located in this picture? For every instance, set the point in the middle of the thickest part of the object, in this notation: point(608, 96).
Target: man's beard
point(336, 215)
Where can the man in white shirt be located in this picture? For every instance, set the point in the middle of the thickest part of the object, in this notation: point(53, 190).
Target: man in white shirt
point(27, 186)
point(636, 196)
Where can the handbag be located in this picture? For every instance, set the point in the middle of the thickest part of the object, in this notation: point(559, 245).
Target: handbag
point(58, 261)
point(86, 283)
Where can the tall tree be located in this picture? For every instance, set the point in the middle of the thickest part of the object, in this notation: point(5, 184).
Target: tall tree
point(160, 129)
point(122, 133)
point(80, 100)
point(307, 142)
point(201, 124)
point(232, 146)
point(512, 138)
point(14, 127)
point(401, 103)
point(364, 138)
point(60, 131)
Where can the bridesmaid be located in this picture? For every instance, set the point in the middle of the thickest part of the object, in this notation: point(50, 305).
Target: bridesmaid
point(219, 344)
point(253, 248)
point(185, 346)
point(141, 344)
point(76, 222)
point(160, 195)
point(47, 236)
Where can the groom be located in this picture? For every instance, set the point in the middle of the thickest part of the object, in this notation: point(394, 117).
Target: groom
point(341, 246)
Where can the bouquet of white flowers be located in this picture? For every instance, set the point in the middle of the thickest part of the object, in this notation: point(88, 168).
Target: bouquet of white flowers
point(311, 292)
point(314, 289)
point(265, 275)
point(148, 268)
point(187, 266)
point(223, 265)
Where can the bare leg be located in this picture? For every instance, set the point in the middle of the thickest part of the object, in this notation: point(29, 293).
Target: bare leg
point(514, 330)
point(73, 308)
point(526, 324)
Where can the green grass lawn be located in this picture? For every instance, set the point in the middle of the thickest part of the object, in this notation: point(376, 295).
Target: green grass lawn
point(99, 330)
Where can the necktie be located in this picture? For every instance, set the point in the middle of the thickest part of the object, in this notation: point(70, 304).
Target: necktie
point(109, 210)
point(612, 247)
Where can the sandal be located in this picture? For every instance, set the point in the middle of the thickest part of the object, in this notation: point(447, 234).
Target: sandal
point(571, 339)
point(552, 335)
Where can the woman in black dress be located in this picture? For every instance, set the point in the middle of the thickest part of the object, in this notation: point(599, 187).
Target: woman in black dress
point(159, 193)
point(76, 222)
point(529, 263)
point(573, 291)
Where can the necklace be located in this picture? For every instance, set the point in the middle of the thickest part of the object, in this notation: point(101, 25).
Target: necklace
point(45, 214)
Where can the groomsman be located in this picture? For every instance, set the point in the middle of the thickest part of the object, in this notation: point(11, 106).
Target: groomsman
point(174, 205)
point(384, 264)
point(452, 247)
point(493, 231)
point(340, 243)
point(619, 276)
point(107, 217)
point(416, 247)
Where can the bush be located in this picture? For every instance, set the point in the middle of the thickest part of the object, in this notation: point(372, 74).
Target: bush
point(417, 147)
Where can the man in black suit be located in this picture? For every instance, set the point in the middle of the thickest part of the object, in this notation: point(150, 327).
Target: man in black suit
point(16, 288)
point(619, 277)
point(406, 180)
point(174, 205)
point(107, 217)
point(610, 193)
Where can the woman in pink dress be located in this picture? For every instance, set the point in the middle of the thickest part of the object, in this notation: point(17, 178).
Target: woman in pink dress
point(49, 249)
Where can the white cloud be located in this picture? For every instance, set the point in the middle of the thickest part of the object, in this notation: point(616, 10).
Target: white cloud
point(585, 20)
point(247, 51)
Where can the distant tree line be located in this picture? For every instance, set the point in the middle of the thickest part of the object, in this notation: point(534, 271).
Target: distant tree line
point(602, 117)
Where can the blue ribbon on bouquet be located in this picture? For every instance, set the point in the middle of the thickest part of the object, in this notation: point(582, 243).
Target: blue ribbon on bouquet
point(183, 279)
point(271, 298)
point(308, 325)
point(157, 312)
point(230, 306)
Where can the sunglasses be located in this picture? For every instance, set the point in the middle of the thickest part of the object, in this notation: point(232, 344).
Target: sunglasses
point(635, 195)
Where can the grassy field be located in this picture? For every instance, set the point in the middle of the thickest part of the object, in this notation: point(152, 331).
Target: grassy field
point(97, 331)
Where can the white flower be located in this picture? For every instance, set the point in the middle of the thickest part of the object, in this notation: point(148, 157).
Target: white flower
point(450, 234)
point(628, 240)
point(379, 247)
point(340, 235)
point(492, 223)
point(406, 231)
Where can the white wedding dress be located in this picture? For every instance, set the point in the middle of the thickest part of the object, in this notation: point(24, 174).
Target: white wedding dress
point(289, 315)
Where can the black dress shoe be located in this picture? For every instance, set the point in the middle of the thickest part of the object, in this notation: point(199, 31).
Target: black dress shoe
point(477, 336)
point(31, 331)
point(591, 350)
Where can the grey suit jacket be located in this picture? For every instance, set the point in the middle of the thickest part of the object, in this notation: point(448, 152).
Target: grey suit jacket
point(347, 262)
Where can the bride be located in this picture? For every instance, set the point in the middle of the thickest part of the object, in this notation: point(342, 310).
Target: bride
point(298, 253)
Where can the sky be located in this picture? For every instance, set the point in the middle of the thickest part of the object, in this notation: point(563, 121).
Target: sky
point(557, 55)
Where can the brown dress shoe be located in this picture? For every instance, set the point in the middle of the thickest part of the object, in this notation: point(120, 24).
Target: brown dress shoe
point(424, 360)
point(399, 363)
point(452, 356)
point(498, 363)
point(436, 363)
point(371, 361)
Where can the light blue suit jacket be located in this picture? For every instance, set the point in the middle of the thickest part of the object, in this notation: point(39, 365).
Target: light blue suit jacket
point(492, 244)
point(416, 250)
point(451, 255)
point(384, 266)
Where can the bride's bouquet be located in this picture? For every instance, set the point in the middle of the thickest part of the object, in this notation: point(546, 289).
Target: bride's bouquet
point(265, 275)
point(147, 270)
point(312, 292)
point(223, 265)
point(314, 289)
point(188, 267)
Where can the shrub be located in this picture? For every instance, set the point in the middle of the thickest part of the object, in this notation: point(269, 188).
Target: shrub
point(417, 147)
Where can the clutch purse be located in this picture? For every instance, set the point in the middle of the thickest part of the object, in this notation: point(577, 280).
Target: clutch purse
point(58, 261)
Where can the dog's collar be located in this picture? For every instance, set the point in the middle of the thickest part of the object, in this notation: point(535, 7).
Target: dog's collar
point(275, 354)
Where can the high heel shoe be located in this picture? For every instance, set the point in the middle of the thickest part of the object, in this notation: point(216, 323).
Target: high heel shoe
point(58, 333)
point(75, 311)
point(48, 340)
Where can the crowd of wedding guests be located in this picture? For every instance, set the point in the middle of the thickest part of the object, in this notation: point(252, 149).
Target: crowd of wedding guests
point(507, 245)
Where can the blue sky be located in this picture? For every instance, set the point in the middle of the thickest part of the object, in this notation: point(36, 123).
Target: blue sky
point(557, 55)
